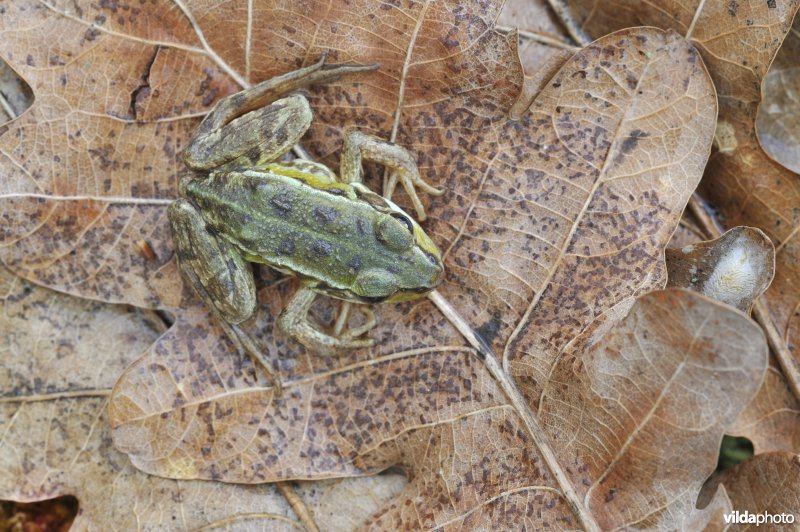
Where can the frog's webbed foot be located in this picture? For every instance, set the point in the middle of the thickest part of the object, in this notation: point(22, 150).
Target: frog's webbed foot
point(294, 322)
point(261, 123)
point(360, 146)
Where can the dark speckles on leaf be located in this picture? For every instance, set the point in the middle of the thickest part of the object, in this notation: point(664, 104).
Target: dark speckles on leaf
point(630, 143)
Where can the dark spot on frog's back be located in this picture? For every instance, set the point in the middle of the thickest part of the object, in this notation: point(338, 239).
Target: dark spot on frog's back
point(283, 202)
point(325, 214)
point(321, 248)
point(286, 246)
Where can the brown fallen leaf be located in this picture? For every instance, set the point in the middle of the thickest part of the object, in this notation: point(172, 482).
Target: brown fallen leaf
point(543, 48)
point(765, 484)
point(777, 125)
point(62, 356)
point(744, 258)
point(465, 441)
point(735, 268)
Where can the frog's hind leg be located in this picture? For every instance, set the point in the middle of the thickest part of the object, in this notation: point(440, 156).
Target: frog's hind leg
point(294, 322)
point(360, 146)
point(259, 124)
point(220, 276)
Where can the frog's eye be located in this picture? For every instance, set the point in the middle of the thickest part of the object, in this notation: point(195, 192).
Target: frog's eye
point(394, 234)
point(403, 219)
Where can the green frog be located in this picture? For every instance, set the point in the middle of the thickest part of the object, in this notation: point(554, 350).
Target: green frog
point(240, 204)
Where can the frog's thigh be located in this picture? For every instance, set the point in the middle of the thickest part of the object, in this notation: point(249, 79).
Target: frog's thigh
point(253, 139)
point(211, 265)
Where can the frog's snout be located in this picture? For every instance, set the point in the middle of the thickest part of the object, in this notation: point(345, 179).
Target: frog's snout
point(436, 272)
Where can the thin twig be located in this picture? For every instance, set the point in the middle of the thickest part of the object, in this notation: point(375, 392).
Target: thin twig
point(562, 11)
point(299, 507)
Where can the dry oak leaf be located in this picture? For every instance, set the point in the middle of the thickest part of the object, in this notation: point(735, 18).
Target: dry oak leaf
point(738, 41)
point(61, 356)
point(735, 268)
point(574, 194)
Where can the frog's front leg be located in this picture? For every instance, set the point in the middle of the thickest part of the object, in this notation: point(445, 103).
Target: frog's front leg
point(294, 322)
point(220, 276)
point(257, 125)
point(360, 146)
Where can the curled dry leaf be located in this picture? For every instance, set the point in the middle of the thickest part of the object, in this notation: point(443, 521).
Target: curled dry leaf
point(765, 484)
point(587, 205)
point(735, 268)
point(61, 357)
point(777, 124)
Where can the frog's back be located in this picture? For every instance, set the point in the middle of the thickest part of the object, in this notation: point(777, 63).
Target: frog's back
point(318, 233)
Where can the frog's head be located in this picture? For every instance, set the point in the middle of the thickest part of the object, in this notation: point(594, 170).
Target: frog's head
point(416, 266)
